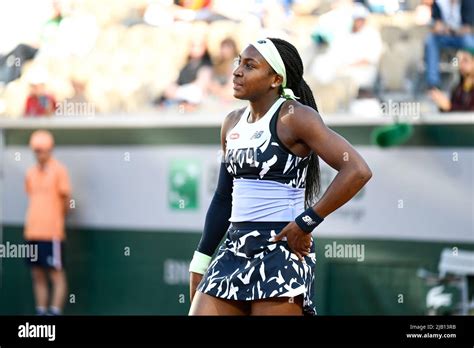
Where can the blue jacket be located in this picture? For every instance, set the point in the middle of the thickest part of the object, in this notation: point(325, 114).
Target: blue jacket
point(467, 12)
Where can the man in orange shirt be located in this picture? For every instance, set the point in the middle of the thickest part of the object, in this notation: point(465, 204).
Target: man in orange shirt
point(48, 188)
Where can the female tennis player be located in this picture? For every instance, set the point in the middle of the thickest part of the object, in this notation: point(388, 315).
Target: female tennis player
point(269, 174)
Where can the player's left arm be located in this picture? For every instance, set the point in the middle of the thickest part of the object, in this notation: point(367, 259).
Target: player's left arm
point(353, 172)
point(307, 127)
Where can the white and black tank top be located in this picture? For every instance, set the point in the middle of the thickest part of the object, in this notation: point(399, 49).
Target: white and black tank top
point(269, 180)
point(254, 151)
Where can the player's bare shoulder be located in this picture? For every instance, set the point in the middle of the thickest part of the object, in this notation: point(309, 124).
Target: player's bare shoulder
point(231, 120)
point(305, 115)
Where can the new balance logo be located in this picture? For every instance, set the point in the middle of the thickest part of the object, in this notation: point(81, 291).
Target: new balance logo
point(256, 135)
point(308, 220)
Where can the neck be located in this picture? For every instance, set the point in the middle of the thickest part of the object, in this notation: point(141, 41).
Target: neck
point(42, 165)
point(258, 108)
point(468, 81)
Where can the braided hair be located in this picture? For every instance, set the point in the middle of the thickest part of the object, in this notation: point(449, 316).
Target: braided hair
point(295, 81)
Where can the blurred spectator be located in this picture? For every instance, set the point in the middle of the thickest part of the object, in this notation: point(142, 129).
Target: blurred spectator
point(78, 104)
point(193, 4)
point(39, 102)
point(423, 12)
point(333, 24)
point(12, 62)
point(136, 15)
point(355, 55)
point(195, 10)
point(221, 84)
point(48, 188)
point(453, 22)
point(56, 14)
point(383, 6)
point(193, 80)
point(274, 18)
point(462, 96)
point(50, 28)
point(164, 14)
point(79, 96)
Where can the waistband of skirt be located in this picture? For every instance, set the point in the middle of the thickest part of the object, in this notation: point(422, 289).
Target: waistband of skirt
point(259, 225)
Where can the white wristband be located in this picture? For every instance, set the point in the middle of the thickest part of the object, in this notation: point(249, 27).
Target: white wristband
point(199, 263)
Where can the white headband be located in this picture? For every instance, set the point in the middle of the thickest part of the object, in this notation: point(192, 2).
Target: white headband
point(268, 50)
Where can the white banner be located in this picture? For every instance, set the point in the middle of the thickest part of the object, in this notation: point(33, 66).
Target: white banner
point(415, 193)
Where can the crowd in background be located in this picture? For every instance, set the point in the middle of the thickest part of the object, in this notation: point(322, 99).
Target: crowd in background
point(101, 57)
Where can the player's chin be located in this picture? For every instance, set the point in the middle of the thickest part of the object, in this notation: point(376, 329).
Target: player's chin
point(240, 94)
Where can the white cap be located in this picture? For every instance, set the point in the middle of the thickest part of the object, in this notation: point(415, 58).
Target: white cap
point(360, 11)
point(37, 76)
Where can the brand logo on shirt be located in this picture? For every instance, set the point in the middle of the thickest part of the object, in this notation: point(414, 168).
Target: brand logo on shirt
point(256, 135)
point(234, 136)
point(308, 220)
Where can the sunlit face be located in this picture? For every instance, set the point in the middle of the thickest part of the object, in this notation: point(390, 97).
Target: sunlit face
point(253, 76)
point(197, 49)
point(79, 87)
point(37, 89)
point(358, 24)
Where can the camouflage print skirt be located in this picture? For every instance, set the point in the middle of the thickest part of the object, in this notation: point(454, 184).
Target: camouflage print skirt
point(248, 266)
